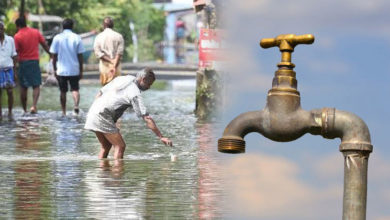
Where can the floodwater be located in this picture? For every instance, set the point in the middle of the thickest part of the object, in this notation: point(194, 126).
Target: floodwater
point(49, 166)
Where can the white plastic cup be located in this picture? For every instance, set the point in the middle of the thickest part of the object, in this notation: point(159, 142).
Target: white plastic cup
point(173, 157)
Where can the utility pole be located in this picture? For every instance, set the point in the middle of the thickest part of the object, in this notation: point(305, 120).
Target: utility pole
point(21, 9)
point(208, 80)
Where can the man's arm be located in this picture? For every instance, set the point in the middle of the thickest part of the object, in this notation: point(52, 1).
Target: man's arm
point(55, 57)
point(45, 47)
point(15, 60)
point(140, 110)
point(152, 126)
point(115, 63)
point(81, 61)
point(14, 55)
point(117, 60)
point(98, 94)
point(106, 59)
point(17, 44)
point(120, 50)
point(97, 49)
point(43, 43)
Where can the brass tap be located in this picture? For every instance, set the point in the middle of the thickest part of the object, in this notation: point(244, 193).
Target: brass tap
point(285, 81)
point(283, 120)
point(286, 44)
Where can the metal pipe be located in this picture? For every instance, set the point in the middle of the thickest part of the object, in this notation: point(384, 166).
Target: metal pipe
point(356, 147)
point(355, 185)
point(284, 120)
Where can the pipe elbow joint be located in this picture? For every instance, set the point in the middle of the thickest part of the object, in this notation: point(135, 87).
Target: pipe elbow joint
point(350, 128)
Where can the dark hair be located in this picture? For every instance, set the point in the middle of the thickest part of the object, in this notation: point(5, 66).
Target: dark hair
point(67, 23)
point(108, 22)
point(20, 22)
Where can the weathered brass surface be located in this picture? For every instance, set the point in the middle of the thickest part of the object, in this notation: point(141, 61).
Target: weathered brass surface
point(283, 119)
point(286, 44)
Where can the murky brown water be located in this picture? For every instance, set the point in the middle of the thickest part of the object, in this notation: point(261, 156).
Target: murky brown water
point(49, 167)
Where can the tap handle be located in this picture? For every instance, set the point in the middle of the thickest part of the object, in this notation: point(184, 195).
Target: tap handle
point(287, 42)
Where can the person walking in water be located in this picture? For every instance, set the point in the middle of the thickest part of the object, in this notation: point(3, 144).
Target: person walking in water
point(8, 57)
point(112, 100)
point(27, 42)
point(67, 50)
point(108, 47)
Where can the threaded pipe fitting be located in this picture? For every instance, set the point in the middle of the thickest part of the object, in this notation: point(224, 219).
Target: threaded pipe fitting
point(231, 146)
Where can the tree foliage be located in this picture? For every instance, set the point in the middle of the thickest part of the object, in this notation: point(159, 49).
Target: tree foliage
point(88, 16)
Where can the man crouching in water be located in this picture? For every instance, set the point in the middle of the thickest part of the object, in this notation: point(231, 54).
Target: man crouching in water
point(112, 100)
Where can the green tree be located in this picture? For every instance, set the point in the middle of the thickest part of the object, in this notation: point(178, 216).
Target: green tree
point(149, 24)
point(3, 6)
point(88, 14)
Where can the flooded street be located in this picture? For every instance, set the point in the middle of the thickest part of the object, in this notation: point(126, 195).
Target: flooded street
point(49, 166)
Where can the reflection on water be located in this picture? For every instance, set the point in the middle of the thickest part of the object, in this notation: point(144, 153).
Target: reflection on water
point(209, 185)
point(49, 166)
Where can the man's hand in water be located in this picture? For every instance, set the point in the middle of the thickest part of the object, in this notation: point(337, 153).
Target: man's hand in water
point(166, 141)
point(152, 126)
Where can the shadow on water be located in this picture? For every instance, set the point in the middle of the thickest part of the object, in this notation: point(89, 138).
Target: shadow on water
point(49, 166)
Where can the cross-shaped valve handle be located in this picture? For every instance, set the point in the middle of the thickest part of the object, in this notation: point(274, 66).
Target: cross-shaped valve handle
point(286, 44)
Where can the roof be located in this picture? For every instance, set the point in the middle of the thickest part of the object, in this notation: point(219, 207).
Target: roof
point(44, 18)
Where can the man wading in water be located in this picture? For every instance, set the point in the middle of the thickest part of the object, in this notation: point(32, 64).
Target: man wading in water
point(112, 100)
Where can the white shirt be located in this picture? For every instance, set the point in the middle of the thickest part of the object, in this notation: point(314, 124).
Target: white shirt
point(109, 43)
point(117, 96)
point(7, 51)
point(67, 45)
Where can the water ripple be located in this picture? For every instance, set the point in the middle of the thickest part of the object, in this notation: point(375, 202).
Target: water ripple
point(49, 167)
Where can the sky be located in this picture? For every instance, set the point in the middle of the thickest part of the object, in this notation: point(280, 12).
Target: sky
point(346, 68)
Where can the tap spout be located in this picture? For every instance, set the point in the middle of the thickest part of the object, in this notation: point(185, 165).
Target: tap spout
point(278, 125)
point(233, 136)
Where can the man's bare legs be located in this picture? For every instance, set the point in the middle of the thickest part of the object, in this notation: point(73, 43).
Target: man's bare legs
point(116, 169)
point(105, 145)
point(119, 144)
point(10, 101)
point(107, 140)
point(36, 92)
point(1, 112)
point(23, 98)
point(63, 102)
point(76, 99)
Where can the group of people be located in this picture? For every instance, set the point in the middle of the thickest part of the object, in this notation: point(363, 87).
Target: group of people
point(66, 52)
point(23, 48)
point(117, 94)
